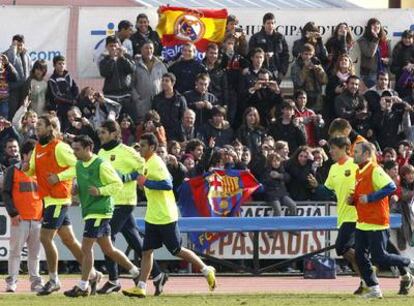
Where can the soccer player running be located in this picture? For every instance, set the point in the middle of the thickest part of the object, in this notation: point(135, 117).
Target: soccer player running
point(128, 163)
point(372, 188)
point(161, 218)
point(341, 181)
point(96, 182)
point(53, 163)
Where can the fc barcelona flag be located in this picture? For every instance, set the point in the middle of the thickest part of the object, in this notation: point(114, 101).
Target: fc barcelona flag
point(178, 25)
point(215, 194)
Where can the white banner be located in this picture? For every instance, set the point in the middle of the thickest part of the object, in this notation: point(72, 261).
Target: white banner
point(96, 23)
point(45, 30)
point(272, 245)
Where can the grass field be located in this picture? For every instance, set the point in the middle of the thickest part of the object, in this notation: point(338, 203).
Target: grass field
point(200, 300)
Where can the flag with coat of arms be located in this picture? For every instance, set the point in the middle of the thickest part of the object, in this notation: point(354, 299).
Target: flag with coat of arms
point(179, 25)
point(219, 193)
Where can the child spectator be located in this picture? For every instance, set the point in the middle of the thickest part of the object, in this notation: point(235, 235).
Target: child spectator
point(62, 91)
point(274, 182)
point(152, 124)
point(36, 87)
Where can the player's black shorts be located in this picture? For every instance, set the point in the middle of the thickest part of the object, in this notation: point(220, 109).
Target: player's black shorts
point(346, 238)
point(97, 228)
point(55, 216)
point(158, 234)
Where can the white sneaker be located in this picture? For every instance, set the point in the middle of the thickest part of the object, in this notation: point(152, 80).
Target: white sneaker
point(11, 287)
point(373, 293)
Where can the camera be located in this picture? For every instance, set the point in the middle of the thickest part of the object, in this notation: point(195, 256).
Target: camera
point(315, 61)
point(238, 30)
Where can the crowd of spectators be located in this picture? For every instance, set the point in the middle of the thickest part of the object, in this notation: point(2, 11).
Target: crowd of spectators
point(228, 110)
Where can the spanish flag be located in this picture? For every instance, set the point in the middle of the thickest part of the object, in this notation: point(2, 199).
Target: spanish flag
point(178, 25)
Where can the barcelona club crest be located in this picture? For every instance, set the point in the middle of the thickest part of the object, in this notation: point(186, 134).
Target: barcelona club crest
point(189, 26)
point(223, 194)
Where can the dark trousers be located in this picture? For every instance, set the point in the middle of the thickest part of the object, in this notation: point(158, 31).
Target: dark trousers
point(375, 243)
point(123, 221)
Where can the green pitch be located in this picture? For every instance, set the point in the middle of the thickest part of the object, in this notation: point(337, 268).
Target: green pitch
point(200, 300)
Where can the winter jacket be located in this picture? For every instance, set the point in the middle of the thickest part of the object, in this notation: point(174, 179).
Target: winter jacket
point(186, 72)
point(117, 74)
point(223, 135)
point(138, 40)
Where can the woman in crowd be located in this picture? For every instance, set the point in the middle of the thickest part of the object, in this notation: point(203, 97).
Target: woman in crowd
point(341, 42)
point(251, 133)
point(375, 52)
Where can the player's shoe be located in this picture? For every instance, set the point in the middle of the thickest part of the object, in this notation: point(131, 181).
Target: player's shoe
point(11, 285)
point(211, 278)
point(50, 287)
point(108, 288)
point(76, 291)
point(406, 283)
point(135, 292)
point(373, 293)
point(159, 284)
point(95, 281)
point(362, 289)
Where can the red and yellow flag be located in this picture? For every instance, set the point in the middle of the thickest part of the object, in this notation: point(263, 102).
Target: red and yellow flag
point(178, 25)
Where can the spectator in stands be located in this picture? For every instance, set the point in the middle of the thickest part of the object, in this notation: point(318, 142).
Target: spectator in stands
point(217, 73)
point(251, 132)
point(246, 158)
point(407, 194)
point(170, 105)
point(274, 182)
point(387, 121)
point(96, 107)
point(341, 42)
point(240, 41)
point(189, 164)
point(152, 124)
point(186, 68)
point(274, 45)
point(320, 166)
point(146, 80)
point(311, 35)
point(7, 131)
point(24, 121)
point(177, 169)
point(308, 74)
point(174, 148)
point(36, 87)
point(299, 167)
point(187, 129)
point(7, 74)
point(79, 125)
point(392, 169)
point(282, 148)
point(125, 31)
point(312, 122)
point(200, 100)
point(195, 147)
point(287, 129)
point(218, 128)
point(349, 102)
point(233, 62)
point(343, 69)
point(389, 154)
point(117, 68)
point(373, 94)
point(11, 153)
point(143, 34)
point(375, 52)
point(62, 91)
point(18, 56)
point(404, 152)
point(265, 96)
point(128, 129)
point(403, 62)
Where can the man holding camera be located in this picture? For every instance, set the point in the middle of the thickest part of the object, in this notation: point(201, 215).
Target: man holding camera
point(308, 74)
point(19, 57)
point(116, 68)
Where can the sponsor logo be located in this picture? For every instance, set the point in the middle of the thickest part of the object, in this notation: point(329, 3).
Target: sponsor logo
point(399, 34)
